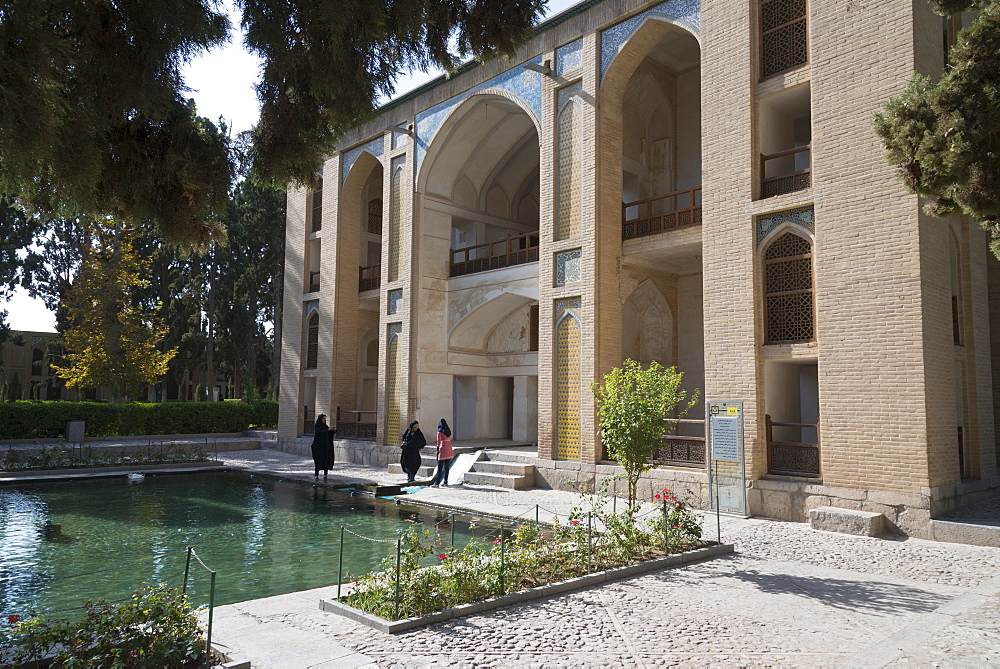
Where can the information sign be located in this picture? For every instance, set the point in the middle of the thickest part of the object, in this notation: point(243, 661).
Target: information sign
point(726, 469)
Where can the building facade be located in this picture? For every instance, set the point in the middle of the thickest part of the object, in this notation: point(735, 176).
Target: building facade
point(690, 182)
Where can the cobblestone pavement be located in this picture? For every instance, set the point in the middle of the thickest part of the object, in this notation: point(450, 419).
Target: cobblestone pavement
point(789, 596)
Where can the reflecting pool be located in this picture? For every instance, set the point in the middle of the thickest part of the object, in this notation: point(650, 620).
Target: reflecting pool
point(70, 541)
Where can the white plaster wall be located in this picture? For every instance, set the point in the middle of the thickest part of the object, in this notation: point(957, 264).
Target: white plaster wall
point(782, 388)
point(464, 425)
point(689, 129)
point(513, 334)
point(691, 338)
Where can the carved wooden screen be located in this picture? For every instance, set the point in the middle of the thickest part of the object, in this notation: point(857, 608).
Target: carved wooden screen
point(375, 216)
point(788, 288)
point(784, 35)
point(316, 207)
point(312, 342)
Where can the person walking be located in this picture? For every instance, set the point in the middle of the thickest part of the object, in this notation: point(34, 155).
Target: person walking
point(445, 454)
point(322, 446)
point(412, 443)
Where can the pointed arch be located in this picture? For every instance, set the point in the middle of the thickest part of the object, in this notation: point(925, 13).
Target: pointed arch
point(312, 340)
point(568, 386)
point(455, 117)
point(647, 326)
point(789, 300)
point(393, 386)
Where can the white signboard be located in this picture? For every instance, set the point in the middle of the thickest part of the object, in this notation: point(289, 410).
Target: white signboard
point(726, 469)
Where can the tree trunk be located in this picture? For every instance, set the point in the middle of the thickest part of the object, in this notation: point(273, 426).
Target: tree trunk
point(210, 352)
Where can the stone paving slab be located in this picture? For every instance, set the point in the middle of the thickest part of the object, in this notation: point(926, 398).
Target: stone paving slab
point(790, 597)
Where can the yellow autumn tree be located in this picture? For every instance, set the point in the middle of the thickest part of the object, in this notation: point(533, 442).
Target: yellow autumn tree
point(112, 341)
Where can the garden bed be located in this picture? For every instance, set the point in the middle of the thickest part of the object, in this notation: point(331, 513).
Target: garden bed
point(397, 626)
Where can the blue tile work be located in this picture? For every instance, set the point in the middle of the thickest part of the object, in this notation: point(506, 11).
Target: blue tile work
point(351, 156)
point(569, 305)
point(524, 83)
point(800, 216)
point(309, 307)
point(569, 57)
point(568, 267)
point(614, 38)
point(395, 300)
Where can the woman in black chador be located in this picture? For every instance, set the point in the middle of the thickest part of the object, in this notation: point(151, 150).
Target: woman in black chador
point(322, 446)
point(413, 442)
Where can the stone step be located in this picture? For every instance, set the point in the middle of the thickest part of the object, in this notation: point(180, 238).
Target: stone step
point(510, 468)
point(499, 480)
point(511, 456)
point(425, 470)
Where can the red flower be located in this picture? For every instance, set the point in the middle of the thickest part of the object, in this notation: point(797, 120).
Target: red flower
point(658, 495)
point(13, 620)
point(442, 557)
point(496, 541)
point(574, 522)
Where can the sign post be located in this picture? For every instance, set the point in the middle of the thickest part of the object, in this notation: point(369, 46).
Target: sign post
point(726, 459)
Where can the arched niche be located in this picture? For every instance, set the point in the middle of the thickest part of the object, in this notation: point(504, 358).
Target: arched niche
point(473, 331)
point(647, 326)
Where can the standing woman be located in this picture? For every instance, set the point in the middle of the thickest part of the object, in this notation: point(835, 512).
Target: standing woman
point(413, 442)
point(445, 454)
point(322, 446)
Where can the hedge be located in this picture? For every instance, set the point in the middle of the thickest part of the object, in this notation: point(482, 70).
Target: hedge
point(39, 420)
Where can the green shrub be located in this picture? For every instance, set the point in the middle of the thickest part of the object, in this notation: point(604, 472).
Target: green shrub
point(156, 628)
point(40, 420)
point(593, 539)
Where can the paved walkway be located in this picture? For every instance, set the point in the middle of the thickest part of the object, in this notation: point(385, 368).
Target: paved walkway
point(790, 596)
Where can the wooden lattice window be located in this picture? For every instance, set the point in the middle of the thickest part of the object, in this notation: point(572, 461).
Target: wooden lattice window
point(784, 35)
point(312, 341)
point(316, 206)
point(788, 288)
point(375, 216)
point(533, 327)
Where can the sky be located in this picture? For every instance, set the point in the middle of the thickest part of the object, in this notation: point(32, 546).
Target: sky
point(221, 83)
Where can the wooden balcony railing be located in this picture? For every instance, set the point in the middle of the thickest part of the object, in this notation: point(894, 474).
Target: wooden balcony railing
point(661, 214)
point(313, 282)
point(682, 450)
point(784, 177)
point(358, 425)
point(790, 458)
point(508, 252)
point(369, 278)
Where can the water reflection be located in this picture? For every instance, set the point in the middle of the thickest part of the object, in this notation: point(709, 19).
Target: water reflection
point(263, 536)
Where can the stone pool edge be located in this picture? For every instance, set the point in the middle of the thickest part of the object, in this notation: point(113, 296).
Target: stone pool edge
point(34, 475)
point(397, 626)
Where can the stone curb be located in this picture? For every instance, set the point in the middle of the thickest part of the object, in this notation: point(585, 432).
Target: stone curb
point(397, 626)
point(80, 472)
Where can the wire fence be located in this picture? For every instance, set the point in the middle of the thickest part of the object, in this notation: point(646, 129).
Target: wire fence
point(501, 532)
point(180, 582)
point(211, 597)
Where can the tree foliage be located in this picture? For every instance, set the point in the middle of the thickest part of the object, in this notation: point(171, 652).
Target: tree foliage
point(93, 117)
point(111, 342)
point(636, 407)
point(944, 135)
point(327, 62)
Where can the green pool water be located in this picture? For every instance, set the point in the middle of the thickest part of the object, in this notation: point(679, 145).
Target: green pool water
point(262, 535)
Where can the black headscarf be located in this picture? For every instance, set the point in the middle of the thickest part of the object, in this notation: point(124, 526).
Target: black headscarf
point(320, 421)
point(443, 427)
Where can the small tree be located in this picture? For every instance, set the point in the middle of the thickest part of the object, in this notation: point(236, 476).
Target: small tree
point(635, 405)
point(111, 340)
point(943, 135)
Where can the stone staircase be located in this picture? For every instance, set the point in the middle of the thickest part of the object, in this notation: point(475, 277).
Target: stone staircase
point(505, 469)
point(428, 465)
